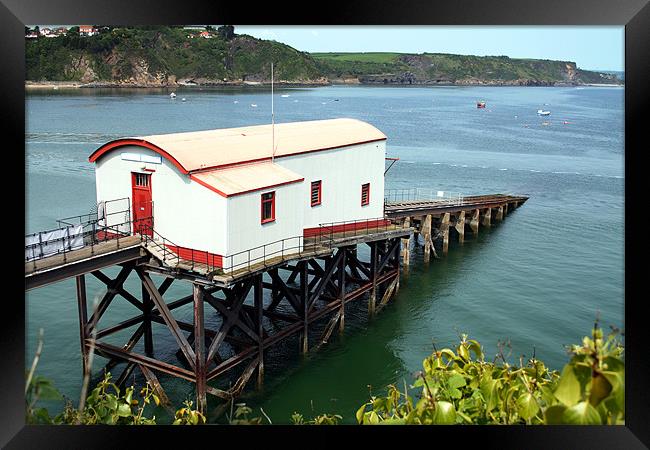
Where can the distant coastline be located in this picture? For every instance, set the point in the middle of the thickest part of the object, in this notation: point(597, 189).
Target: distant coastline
point(55, 85)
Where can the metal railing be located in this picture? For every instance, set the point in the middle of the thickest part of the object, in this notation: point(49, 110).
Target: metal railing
point(422, 194)
point(351, 228)
point(92, 230)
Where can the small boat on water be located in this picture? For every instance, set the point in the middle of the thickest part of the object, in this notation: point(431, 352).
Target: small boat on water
point(541, 112)
point(285, 95)
point(172, 95)
point(480, 104)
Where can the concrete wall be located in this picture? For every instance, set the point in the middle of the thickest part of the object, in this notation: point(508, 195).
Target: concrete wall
point(342, 172)
point(185, 212)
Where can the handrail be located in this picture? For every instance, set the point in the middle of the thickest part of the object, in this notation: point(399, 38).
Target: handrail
point(422, 194)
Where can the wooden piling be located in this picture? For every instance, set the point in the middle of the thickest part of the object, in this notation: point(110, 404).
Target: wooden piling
point(372, 300)
point(426, 234)
point(475, 221)
point(341, 281)
point(487, 216)
point(258, 292)
point(83, 319)
point(406, 244)
point(499, 213)
point(199, 349)
point(459, 225)
point(444, 228)
point(304, 305)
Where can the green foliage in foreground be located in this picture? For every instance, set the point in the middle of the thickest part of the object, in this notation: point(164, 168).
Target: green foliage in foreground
point(460, 387)
point(457, 387)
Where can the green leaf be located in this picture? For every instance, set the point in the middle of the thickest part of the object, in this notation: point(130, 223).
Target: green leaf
point(124, 410)
point(553, 414)
point(360, 412)
point(488, 389)
point(568, 388)
point(600, 388)
point(527, 406)
point(456, 381)
point(581, 414)
point(445, 414)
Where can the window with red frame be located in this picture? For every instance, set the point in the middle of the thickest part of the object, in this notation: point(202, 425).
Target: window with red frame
point(316, 192)
point(365, 194)
point(268, 207)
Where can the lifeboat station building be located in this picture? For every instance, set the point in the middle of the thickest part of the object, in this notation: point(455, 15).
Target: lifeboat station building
point(215, 196)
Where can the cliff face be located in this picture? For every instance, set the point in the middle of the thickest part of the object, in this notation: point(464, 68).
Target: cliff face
point(446, 69)
point(164, 56)
point(172, 56)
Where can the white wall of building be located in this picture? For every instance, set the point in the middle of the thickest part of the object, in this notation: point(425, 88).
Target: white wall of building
point(245, 230)
point(342, 172)
point(186, 213)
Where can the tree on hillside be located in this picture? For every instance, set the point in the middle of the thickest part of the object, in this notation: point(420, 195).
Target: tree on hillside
point(226, 32)
point(73, 31)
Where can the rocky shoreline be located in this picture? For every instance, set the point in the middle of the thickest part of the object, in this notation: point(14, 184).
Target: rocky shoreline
point(312, 83)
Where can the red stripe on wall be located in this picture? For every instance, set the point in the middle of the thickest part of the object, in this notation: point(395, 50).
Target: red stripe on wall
point(198, 256)
point(354, 226)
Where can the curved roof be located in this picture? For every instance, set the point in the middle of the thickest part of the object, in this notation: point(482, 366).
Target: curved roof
point(199, 150)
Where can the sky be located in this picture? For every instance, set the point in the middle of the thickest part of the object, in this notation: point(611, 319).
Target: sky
point(590, 47)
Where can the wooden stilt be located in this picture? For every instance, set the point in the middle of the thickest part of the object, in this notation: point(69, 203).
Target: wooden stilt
point(505, 209)
point(499, 215)
point(426, 234)
point(475, 221)
point(406, 245)
point(304, 307)
point(341, 281)
point(444, 228)
point(487, 216)
point(460, 226)
point(259, 310)
point(83, 320)
point(373, 278)
point(199, 349)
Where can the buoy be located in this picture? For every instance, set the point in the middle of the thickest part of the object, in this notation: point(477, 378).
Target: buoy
point(183, 99)
point(235, 101)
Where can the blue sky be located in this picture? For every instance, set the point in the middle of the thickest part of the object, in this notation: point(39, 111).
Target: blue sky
point(591, 47)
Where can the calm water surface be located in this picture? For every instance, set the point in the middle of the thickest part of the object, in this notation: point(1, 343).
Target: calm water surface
point(538, 279)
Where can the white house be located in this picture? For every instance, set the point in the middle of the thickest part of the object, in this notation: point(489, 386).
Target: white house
point(223, 192)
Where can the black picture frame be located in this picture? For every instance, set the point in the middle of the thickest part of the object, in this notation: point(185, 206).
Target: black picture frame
point(633, 14)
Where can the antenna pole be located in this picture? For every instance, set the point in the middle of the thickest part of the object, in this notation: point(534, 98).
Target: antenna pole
point(272, 119)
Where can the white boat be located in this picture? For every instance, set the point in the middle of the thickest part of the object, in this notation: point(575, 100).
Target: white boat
point(172, 95)
point(253, 105)
point(541, 112)
point(285, 95)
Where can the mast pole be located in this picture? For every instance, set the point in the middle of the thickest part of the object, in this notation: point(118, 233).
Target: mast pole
point(272, 119)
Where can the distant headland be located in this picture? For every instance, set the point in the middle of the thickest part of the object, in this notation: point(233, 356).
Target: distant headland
point(161, 56)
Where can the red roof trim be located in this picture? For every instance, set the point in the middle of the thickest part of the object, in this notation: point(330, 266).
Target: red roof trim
point(223, 194)
point(142, 143)
point(137, 142)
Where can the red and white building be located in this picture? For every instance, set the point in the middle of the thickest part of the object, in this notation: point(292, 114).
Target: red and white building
point(221, 192)
point(87, 30)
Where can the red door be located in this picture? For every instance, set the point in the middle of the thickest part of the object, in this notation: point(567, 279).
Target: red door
point(142, 203)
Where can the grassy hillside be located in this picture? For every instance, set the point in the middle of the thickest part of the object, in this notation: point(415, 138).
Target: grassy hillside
point(164, 56)
point(431, 68)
